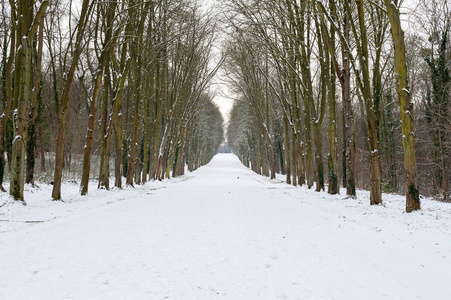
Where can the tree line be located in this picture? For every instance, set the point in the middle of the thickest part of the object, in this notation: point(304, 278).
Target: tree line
point(126, 81)
point(335, 92)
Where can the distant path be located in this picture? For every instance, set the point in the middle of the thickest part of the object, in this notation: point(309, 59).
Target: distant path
point(223, 232)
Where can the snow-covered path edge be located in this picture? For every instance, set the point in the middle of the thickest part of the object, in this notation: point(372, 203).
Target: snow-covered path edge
point(41, 208)
point(222, 232)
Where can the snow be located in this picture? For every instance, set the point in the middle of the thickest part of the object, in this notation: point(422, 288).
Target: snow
point(17, 138)
point(221, 232)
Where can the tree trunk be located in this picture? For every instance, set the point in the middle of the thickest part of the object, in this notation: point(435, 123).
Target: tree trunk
point(26, 30)
point(62, 114)
point(332, 161)
point(7, 91)
point(134, 136)
point(104, 159)
point(348, 125)
point(104, 59)
point(22, 94)
point(147, 134)
point(373, 141)
point(286, 131)
point(118, 160)
point(90, 134)
point(35, 99)
point(406, 108)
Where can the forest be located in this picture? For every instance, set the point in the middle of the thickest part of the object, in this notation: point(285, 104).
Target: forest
point(96, 88)
point(351, 93)
point(348, 93)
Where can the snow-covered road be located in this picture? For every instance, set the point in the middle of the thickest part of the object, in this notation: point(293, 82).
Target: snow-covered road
point(223, 232)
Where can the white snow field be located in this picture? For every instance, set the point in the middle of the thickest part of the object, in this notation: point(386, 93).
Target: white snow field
point(221, 232)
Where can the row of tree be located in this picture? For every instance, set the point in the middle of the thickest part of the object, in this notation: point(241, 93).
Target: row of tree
point(127, 79)
point(315, 77)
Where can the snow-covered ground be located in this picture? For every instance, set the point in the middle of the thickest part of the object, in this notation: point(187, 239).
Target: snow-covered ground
point(221, 232)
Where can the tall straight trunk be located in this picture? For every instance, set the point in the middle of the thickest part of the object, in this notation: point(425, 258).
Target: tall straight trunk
point(440, 153)
point(26, 30)
point(294, 162)
point(161, 155)
point(138, 17)
point(182, 164)
point(373, 141)
point(190, 154)
point(35, 99)
point(265, 160)
point(147, 133)
point(175, 165)
point(152, 85)
point(157, 122)
point(343, 73)
point(308, 139)
point(104, 58)
point(163, 110)
point(269, 142)
point(349, 135)
point(90, 134)
point(118, 159)
point(178, 158)
point(169, 155)
point(332, 161)
point(286, 131)
point(406, 108)
point(348, 125)
point(138, 162)
point(7, 91)
point(270, 150)
point(319, 112)
point(343, 141)
point(62, 114)
point(134, 136)
point(299, 145)
point(108, 123)
point(305, 46)
point(106, 139)
point(295, 14)
point(42, 154)
point(390, 152)
point(22, 94)
point(318, 158)
point(155, 146)
point(164, 151)
point(293, 124)
point(104, 163)
point(258, 168)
